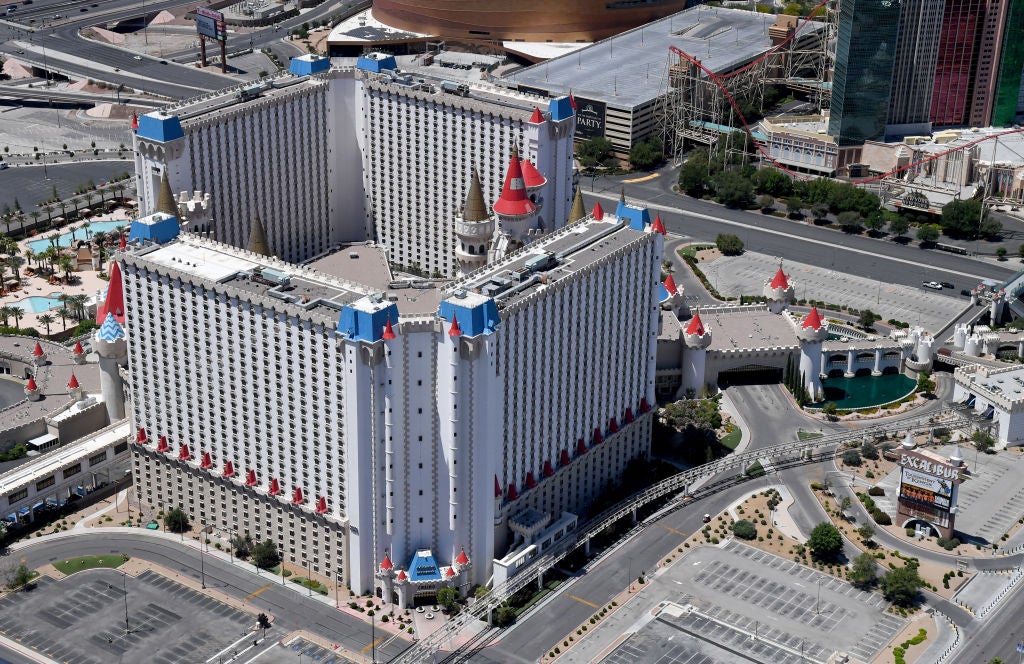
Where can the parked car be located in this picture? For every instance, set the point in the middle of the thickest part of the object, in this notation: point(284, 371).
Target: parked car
point(933, 285)
point(946, 284)
point(965, 292)
point(706, 518)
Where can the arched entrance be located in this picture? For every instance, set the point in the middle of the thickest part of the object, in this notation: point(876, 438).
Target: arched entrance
point(924, 525)
point(750, 374)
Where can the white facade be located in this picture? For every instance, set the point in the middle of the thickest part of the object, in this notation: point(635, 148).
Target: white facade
point(346, 155)
point(372, 433)
point(997, 394)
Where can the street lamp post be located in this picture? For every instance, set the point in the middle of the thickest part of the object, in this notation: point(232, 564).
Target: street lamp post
point(817, 603)
point(202, 563)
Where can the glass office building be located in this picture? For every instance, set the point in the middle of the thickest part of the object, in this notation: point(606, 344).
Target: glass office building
point(1008, 103)
point(865, 58)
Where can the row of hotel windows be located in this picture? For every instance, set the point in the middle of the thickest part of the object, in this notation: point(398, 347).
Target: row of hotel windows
point(70, 471)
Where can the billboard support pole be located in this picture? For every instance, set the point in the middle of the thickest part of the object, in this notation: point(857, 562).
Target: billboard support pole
point(223, 57)
point(202, 49)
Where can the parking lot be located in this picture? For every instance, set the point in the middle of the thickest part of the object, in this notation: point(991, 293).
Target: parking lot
point(732, 603)
point(81, 619)
point(301, 649)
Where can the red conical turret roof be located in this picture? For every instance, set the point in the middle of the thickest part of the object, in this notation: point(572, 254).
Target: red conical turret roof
point(513, 201)
point(386, 564)
point(250, 478)
point(123, 242)
point(530, 482)
point(531, 176)
point(38, 350)
point(454, 330)
point(114, 303)
point(207, 461)
point(275, 487)
point(389, 333)
point(450, 572)
point(657, 226)
point(696, 326)
point(402, 576)
point(73, 383)
point(135, 122)
point(31, 386)
point(780, 280)
point(140, 436)
point(581, 446)
point(536, 118)
point(184, 454)
point(78, 348)
point(628, 417)
point(297, 497)
point(644, 406)
point(670, 285)
point(548, 470)
point(229, 469)
point(572, 100)
point(512, 493)
point(162, 445)
point(462, 558)
point(598, 212)
point(613, 426)
point(564, 460)
point(812, 319)
point(321, 505)
point(598, 436)
point(497, 487)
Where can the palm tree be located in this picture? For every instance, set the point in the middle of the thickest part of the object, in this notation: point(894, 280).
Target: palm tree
point(89, 198)
point(86, 226)
point(17, 313)
point(78, 303)
point(49, 214)
point(6, 312)
point(63, 210)
point(15, 262)
point(35, 214)
point(68, 265)
point(29, 255)
point(47, 320)
point(64, 314)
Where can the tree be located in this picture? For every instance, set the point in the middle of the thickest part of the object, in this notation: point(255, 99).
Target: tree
point(504, 616)
point(983, 442)
point(927, 233)
point(925, 383)
point(744, 529)
point(176, 521)
point(794, 206)
point(825, 542)
point(990, 228)
point(5, 313)
point(1020, 252)
point(242, 544)
point(17, 313)
point(869, 451)
point(851, 458)
point(448, 598)
point(851, 221)
point(15, 262)
point(864, 572)
point(829, 410)
point(867, 318)
point(767, 204)
point(819, 210)
point(732, 189)
point(900, 586)
point(729, 244)
point(693, 176)
point(866, 532)
point(898, 225)
point(772, 182)
point(263, 622)
point(647, 154)
point(594, 152)
point(18, 576)
point(875, 222)
point(1001, 253)
point(265, 555)
point(961, 218)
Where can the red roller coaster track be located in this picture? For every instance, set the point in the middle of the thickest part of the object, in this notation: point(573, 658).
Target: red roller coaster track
point(718, 80)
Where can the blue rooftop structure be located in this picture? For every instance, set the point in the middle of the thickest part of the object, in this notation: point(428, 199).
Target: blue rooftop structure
point(376, 62)
point(157, 227)
point(111, 330)
point(308, 64)
point(639, 218)
point(159, 127)
point(560, 108)
point(476, 314)
point(423, 567)
point(356, 322)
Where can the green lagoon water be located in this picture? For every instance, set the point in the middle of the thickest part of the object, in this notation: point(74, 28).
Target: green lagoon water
point(866, 391)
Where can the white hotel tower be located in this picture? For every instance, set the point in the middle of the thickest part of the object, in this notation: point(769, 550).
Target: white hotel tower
point(327, 156)
point(403, 439)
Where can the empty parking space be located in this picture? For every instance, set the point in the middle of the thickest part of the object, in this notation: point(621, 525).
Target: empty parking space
point(81, 619)
point(303, 649)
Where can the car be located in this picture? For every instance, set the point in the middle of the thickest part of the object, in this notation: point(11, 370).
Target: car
point(3, 165)
point(163, 62)
point(946, 284)
point(965, 292)
point(706, 518)
point(934, 285)
point(26, 2)
point(83, 9)
point(137, 57)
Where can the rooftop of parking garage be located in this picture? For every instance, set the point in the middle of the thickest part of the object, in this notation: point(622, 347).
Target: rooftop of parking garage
point(747, 329)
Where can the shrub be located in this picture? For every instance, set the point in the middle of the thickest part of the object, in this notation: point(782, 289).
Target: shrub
point(949, 543)
point(744, 529)
point(876, 491)
point(851, 458)
point(729, 244)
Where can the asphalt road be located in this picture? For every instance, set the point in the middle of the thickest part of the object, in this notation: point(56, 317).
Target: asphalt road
point(291, 609)
point(996, 636)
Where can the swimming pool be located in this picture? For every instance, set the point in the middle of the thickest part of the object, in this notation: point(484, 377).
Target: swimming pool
point(37, 304)
point(65, 239)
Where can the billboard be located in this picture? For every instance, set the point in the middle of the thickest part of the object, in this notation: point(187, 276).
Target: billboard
point(926, 488)
point(589, 118)
point(211, 24)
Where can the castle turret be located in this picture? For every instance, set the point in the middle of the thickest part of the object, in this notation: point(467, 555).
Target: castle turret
point(258, 238)
point(578, 212)
point(474, 229)
point(32, 390)
point(778, 291)
point(811, 334)
point(998, 307)
point(517, 214)
point(697, 339)
point(109, 343)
